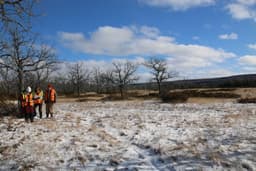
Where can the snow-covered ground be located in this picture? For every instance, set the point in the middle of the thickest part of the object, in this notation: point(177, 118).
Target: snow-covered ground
point(133, 135)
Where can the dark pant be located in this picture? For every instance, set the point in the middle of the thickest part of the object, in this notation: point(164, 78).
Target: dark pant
point(29, 113)
point(22, 111)
point(49, 109)
point(39, 108)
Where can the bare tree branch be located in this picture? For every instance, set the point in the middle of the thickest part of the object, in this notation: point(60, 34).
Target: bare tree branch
point(22, 55)
point(17, 12)
point(159, 70)
point(123, 74)
point(78, 75)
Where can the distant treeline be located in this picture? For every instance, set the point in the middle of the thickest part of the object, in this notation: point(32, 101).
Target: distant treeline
point(223, 82)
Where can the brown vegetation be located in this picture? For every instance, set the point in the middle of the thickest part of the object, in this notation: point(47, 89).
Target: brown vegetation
point(174, 97)
point(7, 108)
point(209, 95)
point(246, 100)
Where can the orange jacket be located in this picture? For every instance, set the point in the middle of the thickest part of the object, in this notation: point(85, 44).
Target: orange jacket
point(29, 100)
point(38, 97)
point(50, 95)
point(23, 99)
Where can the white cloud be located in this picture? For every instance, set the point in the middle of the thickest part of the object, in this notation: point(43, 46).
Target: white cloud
point(92, 64)
point(186, 61)
point(248, 64)
point(212, 73)
point(151, 32)
point(126, 41)
point(178, 5)
point(89, 65)
point(143, 42)
point(106, 40)
point(248, 60)
point(242, 9)
point(137, 60)
point(231, 36)
point(248, 70)
point(247, 2)
point(252, 46)
point(221, 72)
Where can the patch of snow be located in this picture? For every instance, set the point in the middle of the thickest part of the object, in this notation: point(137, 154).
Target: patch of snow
point(133, 135)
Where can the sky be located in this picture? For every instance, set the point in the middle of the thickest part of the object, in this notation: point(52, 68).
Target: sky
point(198, 39)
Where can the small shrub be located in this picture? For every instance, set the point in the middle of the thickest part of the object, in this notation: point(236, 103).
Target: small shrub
point(174, 97)
point(113, 97)
point(218, 95)
point(7, 108)
point(210, 93)
point(246, 100)
point(154, 94)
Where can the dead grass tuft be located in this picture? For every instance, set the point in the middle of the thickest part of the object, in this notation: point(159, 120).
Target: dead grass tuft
point(233, 116)
point(246, 100)
point(174, 97)
point(7, 108)
point(104, 135)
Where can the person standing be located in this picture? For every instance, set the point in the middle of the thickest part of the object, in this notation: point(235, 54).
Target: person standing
point(29, 105)
point(38, 101)
point(22, 102)
point(50, 99)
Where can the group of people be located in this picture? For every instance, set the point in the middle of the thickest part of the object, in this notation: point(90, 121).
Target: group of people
point(30, 101)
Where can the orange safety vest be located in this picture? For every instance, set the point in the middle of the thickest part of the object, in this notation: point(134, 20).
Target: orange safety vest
point(23, 99)
point(29, 100)
point(40, 99)
point(50, 95)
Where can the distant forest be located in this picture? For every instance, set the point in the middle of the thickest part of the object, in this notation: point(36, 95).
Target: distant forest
point(237, 81)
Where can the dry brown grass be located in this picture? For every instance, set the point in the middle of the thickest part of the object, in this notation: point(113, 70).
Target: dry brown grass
point(174, 97)
point(104, 135)
point(246, 100)
point(49, 124)
point(208, 100)
point(201, 96)
point(8, 108)
point(233, 116)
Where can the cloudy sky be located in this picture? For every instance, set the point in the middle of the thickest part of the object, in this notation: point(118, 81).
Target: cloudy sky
point(199, 38)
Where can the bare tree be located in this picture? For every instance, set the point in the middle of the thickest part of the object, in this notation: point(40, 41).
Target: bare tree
point(159, 70)
point(123, 74)
point(17, 12)
point(108, 85)
point(78, 74)
point(22, 55)
point(7, 78)
point(42, 76)
point(96, 79)
point(62, 84)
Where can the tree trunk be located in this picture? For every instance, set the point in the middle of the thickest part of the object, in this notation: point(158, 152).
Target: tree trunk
point(78, 89)
point(20, 87)
point(121, 91)
point(8, 82)
point(21, 81)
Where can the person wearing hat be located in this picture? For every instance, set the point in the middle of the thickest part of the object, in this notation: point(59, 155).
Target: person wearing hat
point(29, 105)
point(22, 102)
point(50, 99)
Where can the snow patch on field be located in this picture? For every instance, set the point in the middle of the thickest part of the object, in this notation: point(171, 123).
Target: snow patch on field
point(133, 135)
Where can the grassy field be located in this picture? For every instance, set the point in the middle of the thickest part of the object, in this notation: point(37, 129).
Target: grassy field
point(212, 95)
point(144, 135)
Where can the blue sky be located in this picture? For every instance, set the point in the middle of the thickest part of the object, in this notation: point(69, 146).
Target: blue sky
point(199, 38)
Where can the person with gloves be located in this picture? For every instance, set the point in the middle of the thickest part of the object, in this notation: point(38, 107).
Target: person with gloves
point(50, 99)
